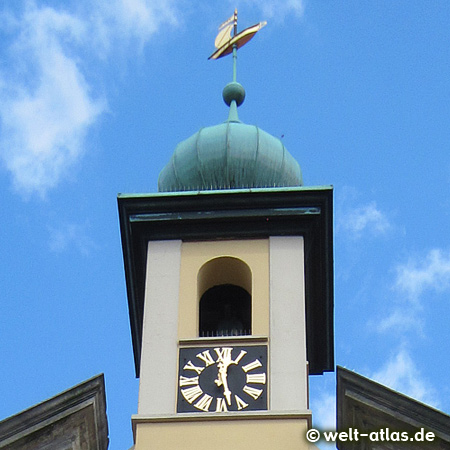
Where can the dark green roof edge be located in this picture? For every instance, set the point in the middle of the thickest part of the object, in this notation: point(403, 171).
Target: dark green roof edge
point(226, 191)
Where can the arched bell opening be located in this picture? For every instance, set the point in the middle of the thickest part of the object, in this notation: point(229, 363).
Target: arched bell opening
point(225, 301)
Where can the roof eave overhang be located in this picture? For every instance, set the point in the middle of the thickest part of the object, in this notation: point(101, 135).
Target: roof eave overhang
point(237, 214)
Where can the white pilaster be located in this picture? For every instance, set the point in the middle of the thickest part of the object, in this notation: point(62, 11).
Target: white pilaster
point(288, 363)
point(159, 336)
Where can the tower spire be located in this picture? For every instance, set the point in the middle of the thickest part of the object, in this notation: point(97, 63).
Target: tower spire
point(230, 155)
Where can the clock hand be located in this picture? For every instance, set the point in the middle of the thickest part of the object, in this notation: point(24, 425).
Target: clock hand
point(223, 361)
point(226, 391)
point(222, 380)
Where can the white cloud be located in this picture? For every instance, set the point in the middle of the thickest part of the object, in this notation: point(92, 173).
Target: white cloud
point(143, 17)
point(324, 416)
point(401, 320)
point(431, 272)
point(45, 104)
point(367, 218)
point(70, 234)
point(324, 407)
point(277, 9)
point(401, 374)
point(128, 21)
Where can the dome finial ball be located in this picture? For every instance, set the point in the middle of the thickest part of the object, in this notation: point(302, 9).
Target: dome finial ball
point(233, 91)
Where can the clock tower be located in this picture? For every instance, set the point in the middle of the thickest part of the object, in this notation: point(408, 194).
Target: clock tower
point(229, 272)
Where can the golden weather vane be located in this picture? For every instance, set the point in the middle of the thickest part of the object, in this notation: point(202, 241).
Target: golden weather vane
point(226, 42)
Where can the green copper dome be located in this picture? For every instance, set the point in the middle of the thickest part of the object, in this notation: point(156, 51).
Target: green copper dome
point(230, 155)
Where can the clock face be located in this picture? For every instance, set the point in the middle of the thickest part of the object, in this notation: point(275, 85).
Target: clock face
point(219, 379)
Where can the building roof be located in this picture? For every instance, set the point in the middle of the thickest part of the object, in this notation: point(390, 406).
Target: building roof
point(74, 419)
point(367, 406)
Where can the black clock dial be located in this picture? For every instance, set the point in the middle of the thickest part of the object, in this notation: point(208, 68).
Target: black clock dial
point(222, 378)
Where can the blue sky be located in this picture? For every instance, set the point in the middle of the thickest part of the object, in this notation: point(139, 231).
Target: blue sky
point(94, 97)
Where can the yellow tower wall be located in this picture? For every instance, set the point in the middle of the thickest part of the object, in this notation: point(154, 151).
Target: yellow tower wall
point(194, 255)
point(267, 431)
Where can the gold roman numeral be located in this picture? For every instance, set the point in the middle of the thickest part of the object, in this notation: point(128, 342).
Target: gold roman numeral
point(240, 356)
point(190, 366)
point(223, 353)
point(259, 378)
point(221, 405)
point(255, 393)
point(240, 403)
point(253, 365)
point(206, 358)
point(188, 381)
point(191, 394)
point(204, 402)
